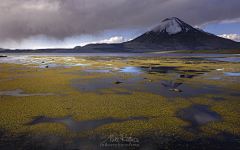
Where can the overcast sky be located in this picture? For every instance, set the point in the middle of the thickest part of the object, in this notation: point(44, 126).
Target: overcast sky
point(67, 23)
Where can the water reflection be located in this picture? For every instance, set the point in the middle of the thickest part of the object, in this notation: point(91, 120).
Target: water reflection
point(230, 59)
point(235, 94)
point(161, 87)
point(197, 115)
point(187, 91)
point(52, 66)
point(174, 83)
point(131, 70)
point(232, 74)
point(155, 70)
point(219, 99)
point(81, 126)
point(185, 76)
point(150, 70)
point(18, 91)
point(94, 86)
point(5, 79)
point(171, 84)
point(215, 78)
point(93, 71)
point(81, 64)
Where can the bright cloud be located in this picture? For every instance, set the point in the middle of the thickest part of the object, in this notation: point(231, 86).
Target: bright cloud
point(115, 39)
point(235, 37)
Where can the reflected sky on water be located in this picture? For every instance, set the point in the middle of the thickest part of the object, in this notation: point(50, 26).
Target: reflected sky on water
point(80, 126)
point(197, 115)
point(230, 59)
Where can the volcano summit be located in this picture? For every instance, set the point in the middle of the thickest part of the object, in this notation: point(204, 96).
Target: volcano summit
point(173, 26)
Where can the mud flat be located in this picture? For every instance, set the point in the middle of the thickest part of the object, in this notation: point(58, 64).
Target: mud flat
point(74, 103)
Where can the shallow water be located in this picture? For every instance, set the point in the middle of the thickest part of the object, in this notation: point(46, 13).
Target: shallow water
point(80, 126)
point(235, 94)
point(219, 99)
point(187, 91)
point(230, 59)
point(93, 71)
point(149, 70)
point(18, 91)
point(95, 85)
point(160, 87)
point(232, 74)
point(52, 66)
point(198, 115)
point(5, 79)
point(215, 78)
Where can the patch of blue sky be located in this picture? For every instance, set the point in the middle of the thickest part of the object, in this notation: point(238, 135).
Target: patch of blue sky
point(222, 28)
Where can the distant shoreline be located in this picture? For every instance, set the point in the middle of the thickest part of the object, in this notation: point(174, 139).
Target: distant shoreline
point(166, 51)
point(222, 51)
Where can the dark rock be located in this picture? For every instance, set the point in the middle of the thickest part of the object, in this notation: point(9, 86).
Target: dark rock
point(177, 90)
point(116, 82)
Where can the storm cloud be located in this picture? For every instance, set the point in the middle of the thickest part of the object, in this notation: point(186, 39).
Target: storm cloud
point(22, 19)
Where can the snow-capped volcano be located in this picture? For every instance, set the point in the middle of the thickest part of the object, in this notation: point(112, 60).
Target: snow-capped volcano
point(170, 34)
point(172, 26)
point(174, 34)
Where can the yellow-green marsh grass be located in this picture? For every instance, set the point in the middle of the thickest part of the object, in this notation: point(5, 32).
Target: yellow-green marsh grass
point(161, 111)
point(228, 109)
point(157, 126)
point(223, 127)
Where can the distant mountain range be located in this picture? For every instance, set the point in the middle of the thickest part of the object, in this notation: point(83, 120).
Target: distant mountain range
point(171, 34)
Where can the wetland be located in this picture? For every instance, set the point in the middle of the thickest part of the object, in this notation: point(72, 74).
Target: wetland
point(152, 101)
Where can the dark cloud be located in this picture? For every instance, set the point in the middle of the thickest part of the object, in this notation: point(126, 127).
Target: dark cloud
point(21, 19)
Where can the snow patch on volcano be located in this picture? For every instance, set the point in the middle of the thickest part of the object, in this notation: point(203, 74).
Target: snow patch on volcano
point(171, 26)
